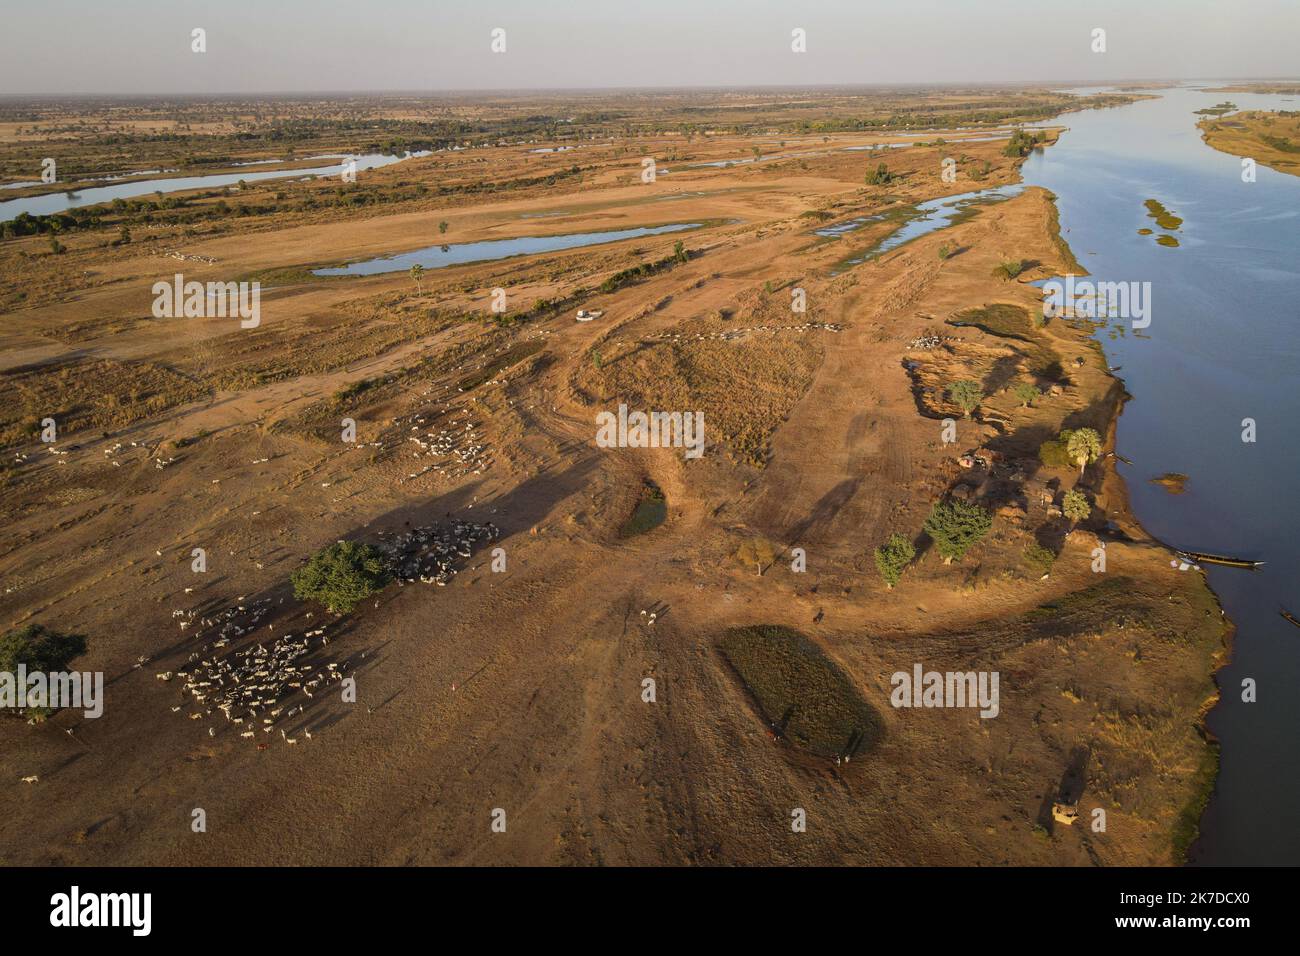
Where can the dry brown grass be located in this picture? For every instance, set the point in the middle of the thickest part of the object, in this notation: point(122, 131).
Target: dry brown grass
point(1269, 138)
point(745, 386)
point(97, 394)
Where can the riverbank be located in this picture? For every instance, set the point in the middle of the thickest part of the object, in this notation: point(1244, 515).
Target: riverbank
point(1204, 370)
point(1122, 516)
point(1271, 139)
point(824, 433)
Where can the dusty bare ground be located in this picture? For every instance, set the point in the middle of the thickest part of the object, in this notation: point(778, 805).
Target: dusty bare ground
point(523, 690)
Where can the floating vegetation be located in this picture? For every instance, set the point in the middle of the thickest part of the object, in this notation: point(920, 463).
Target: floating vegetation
point(1163, 217)
point(1165, 220)
point(1226, 106)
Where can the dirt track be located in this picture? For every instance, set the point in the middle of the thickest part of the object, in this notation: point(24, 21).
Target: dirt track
point(547, 660)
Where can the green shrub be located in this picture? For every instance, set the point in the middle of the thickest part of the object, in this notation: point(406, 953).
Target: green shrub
point(1055, 453)
point(1026, 393)
point(39, 649)
point(955, 526)
point(1008, 269)
point(1040, 558)
point(893, 557)
point(1084, 447)
point(880, 177)
point(1022, 143)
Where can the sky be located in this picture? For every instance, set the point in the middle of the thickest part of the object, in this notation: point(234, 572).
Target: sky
point(144, 46)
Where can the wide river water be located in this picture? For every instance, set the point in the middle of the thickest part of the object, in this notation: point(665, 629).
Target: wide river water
point(1223, 346)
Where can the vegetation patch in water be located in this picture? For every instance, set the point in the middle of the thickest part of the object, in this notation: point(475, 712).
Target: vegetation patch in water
point(1163, 217)
point(949, 214)
point(1168, 240)
point(800, 692)
point(1225, 107)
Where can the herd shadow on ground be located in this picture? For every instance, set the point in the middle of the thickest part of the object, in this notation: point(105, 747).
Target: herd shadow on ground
point(514, 512)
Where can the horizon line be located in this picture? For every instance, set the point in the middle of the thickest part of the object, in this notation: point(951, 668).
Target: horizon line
point(703, 88)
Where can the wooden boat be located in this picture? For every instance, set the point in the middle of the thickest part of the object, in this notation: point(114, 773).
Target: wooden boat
point(1289, 616)
point(1199, 557)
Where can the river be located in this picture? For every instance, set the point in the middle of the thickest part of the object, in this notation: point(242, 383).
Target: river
point(1223, 346)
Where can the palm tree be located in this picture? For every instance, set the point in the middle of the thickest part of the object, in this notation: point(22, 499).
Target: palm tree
point(1084, 446)
point(417, 273)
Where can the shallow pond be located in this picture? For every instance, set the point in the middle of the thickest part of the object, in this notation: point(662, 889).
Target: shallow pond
point(440, 256)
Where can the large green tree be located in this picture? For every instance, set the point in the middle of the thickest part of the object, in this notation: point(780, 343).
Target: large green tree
point(966, 394)
point(341, 576)
point(955, 525)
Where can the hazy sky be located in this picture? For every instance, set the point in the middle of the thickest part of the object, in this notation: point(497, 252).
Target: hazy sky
point(143, 46)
